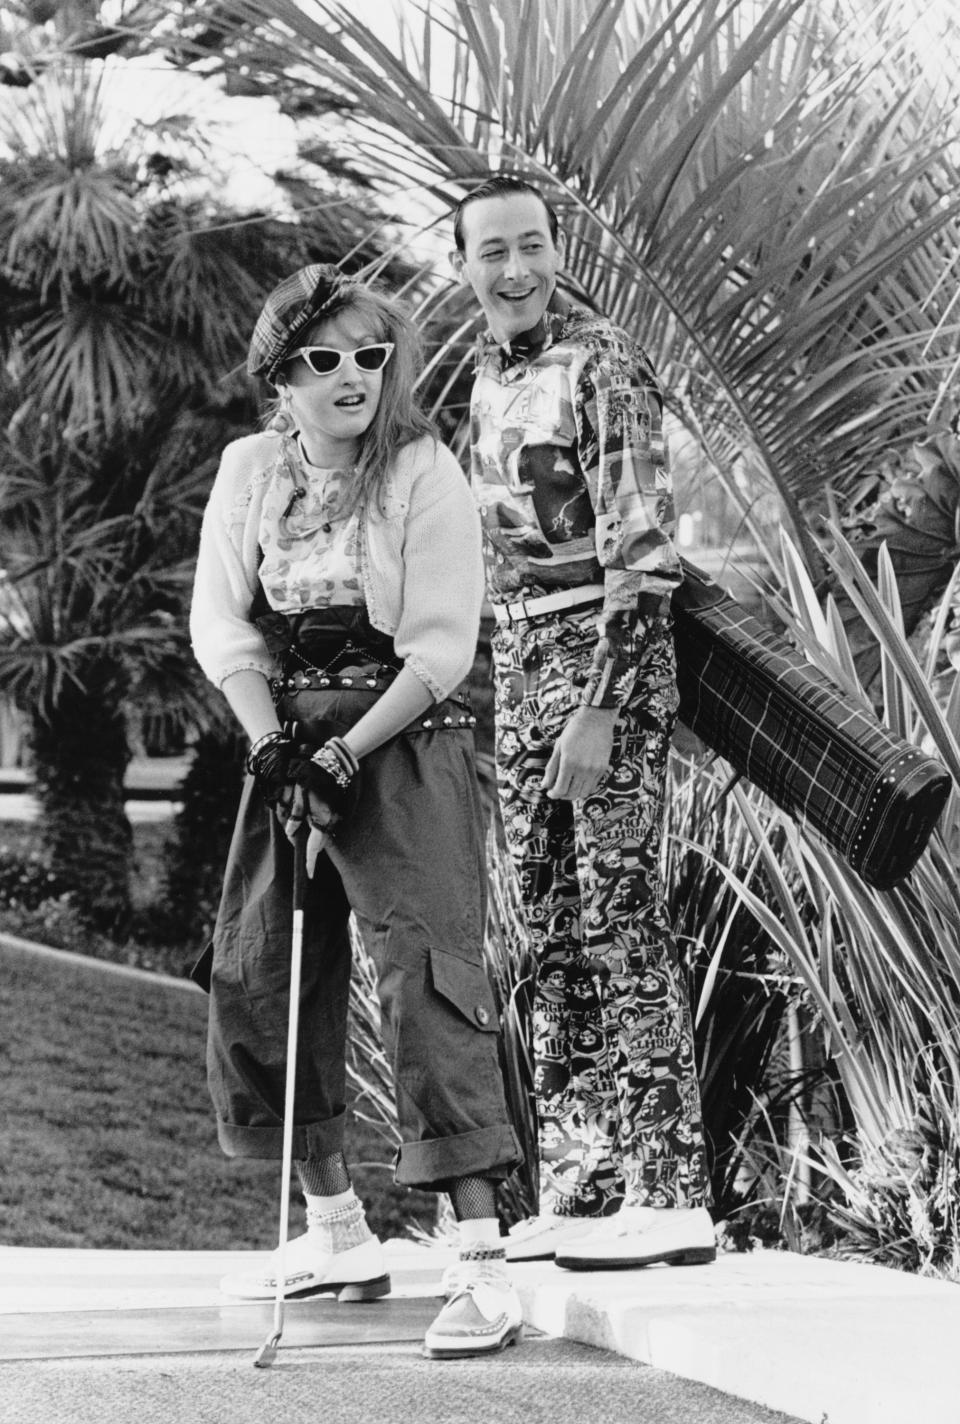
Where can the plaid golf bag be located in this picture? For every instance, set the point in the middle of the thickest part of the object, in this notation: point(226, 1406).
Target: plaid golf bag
point(780, 722)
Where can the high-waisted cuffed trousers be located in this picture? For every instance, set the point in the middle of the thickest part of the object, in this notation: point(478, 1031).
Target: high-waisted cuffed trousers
point(409, 864)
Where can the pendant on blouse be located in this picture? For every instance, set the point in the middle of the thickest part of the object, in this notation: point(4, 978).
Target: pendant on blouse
point(298, 493)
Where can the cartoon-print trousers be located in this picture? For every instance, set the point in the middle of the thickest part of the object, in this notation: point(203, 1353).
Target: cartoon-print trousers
point(615, 1076)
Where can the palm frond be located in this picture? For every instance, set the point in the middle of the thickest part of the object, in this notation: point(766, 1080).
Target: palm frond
point(766, 198)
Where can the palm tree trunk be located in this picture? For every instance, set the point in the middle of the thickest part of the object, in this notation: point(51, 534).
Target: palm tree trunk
point(81, 754)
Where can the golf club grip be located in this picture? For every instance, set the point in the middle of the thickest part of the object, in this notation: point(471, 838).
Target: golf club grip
point(300, 867)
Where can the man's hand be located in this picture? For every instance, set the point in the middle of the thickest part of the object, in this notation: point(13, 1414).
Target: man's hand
point(581, 754)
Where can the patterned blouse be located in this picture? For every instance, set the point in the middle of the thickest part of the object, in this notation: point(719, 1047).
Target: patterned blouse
point(311, 551)
point(568, 469)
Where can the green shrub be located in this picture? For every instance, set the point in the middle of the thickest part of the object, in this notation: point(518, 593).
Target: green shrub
point(25, 880)
point(196, 850)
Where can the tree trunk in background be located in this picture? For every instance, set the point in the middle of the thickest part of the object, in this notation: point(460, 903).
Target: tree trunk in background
point(81, 755)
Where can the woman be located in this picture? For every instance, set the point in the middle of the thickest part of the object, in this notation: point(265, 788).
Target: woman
point(336, 605)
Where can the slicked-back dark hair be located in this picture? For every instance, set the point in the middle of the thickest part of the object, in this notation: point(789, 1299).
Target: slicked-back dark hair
point(500, 185)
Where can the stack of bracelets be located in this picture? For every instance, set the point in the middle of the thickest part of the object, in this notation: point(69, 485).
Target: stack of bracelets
point(328, 773)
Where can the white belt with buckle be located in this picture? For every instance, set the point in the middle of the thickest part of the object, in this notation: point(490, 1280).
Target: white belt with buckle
point(525, 608)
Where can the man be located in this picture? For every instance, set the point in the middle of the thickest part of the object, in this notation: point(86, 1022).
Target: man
point(568, 470)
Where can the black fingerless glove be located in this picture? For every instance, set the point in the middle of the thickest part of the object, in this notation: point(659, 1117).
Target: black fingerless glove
point(268, 762)
point(329, 778)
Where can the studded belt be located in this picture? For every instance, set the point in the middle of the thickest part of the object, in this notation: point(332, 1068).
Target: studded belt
point(452, 714)
point(312, 680)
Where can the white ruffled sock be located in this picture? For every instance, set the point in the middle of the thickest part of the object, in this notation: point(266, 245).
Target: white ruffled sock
point(338, 1222)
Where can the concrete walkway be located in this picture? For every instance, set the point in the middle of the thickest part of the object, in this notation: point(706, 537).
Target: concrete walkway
point(817, 1340)
point(112, 1336)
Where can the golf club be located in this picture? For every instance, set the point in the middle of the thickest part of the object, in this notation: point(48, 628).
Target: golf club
point(267, 1353)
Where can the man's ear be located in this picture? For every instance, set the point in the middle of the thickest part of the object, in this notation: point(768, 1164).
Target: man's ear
point(457, 259)
point(561, 246)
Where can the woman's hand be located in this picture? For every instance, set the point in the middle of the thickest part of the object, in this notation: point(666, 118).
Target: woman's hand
point(316, 841)
point(322, 790)
point(319, 788)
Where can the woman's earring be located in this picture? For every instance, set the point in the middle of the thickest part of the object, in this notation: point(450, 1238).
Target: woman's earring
point(282, 421)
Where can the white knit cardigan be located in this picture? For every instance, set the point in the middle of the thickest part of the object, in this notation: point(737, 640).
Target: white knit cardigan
point(420, 558)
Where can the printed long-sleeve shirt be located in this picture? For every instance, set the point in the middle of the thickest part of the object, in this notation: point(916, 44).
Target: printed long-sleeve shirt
point(569, 472)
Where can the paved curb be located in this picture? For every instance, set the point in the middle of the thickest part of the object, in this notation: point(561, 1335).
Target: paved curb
point(822, 1341)
point(831, 1342)
point(71, 959)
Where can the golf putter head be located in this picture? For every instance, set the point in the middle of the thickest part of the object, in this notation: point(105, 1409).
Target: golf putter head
point(267, 1353)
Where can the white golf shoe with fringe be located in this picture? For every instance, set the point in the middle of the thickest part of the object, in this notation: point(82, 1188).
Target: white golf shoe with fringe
point(482, 1316)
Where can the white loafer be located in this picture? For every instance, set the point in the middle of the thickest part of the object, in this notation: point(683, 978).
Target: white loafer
point(643, 1236)
point(357, 1274)
point(540, 1238)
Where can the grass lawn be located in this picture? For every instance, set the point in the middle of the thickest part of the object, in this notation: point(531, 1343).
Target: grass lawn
point(107, 1137)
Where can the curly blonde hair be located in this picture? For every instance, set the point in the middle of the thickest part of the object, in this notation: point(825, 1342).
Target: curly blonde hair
point(398, 419)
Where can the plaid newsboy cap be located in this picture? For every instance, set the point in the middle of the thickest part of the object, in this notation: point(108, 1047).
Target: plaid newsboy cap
point(293, 304)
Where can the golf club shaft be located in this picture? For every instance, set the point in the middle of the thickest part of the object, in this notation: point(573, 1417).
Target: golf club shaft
point(265, 1356)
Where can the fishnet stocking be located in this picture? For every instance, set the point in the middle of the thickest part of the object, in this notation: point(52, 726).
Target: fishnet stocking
point(324, 1176)
point(473, 1198)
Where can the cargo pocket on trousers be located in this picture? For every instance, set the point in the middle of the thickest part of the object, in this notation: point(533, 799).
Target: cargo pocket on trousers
point(466, 987)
